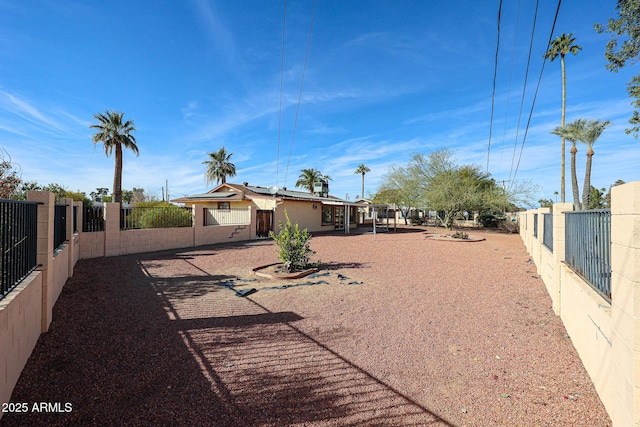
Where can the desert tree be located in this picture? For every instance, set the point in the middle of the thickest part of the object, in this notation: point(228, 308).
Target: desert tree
point(625, 26)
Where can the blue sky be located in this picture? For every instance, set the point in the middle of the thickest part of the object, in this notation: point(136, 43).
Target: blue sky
point(384, 80)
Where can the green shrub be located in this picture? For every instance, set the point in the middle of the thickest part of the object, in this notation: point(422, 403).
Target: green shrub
point(488, 220)
point(293, 244)
point(416, 220)
point(156, 215)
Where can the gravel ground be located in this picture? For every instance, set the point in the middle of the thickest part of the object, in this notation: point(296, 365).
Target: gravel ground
point(397, 331)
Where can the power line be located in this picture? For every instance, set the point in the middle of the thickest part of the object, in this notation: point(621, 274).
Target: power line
point(524, 88)
point(284, 25)
point(513, 61)
point(493, 93)
point(533, 103)
point(304, 69)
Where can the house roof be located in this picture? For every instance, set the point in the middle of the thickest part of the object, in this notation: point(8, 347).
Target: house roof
point(229, 191)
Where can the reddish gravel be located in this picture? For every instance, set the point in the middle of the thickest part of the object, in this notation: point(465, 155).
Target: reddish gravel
point(414, 332)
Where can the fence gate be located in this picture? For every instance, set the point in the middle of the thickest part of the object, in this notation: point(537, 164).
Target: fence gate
point(263, 223)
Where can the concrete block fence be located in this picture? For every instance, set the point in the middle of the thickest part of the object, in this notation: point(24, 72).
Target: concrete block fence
point(113, 241)
point(605, 334)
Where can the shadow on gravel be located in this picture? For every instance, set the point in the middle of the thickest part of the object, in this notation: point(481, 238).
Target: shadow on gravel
point(343, 265)
point(144, 340)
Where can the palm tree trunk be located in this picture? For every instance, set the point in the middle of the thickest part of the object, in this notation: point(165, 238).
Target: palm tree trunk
point(362, 194)
point(574, 179)
point(564, 100)
point(117, 175)
point(586, 190)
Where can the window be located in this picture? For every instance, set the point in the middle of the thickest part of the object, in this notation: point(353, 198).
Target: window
point(224, 206)
point(327, 215)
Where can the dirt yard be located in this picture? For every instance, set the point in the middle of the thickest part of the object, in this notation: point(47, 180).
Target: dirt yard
point(398, 331)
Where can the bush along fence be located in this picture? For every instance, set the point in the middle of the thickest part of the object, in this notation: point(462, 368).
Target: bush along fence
point(590, 264)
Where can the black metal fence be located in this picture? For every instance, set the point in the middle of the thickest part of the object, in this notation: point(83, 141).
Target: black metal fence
point(75, 219)
point(535, 225)
point(132, 218)
point(18, 242)
point(547, 232)
point(92, 219)
point(588, 247)
point(59, 225)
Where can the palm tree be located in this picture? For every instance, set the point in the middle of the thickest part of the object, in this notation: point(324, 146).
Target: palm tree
point(309, 176)
point(362, 169)
point(571, 133)
point(562, 45)
point(591, 132)
point(219, 167)
point(113, 132)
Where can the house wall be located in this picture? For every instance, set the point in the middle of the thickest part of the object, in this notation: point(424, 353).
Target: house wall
point(605, 334)
point(27, 311)
point(303, 214)
point(264, 204)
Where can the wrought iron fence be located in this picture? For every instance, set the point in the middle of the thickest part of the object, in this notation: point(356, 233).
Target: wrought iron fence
point(75, 219)
point(535, 225)
point(92, 219)
point(226, 216)
point(547, 232)
point(588, 247)
point(18, 242)
point(132, 218)
point(59, 225)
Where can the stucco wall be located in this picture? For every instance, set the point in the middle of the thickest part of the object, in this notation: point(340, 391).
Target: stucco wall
point(303, 214)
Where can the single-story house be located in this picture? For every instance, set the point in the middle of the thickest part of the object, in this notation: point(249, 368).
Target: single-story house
point(314, 211)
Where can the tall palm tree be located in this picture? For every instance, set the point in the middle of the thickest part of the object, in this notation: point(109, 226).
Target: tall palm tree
point(362, 169)
point(219, 166)
point(591, 132)
point(115, 133)
point(571, 133)
point(562, 45)
point(309, 176)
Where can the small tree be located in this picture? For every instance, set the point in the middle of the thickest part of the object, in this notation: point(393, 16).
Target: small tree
point(9, 176)
point(293, 244)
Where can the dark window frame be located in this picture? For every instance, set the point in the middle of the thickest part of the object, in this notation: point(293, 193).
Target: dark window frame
point(332, 219)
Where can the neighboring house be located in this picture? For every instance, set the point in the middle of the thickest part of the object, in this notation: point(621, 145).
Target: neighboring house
point(313, 211)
